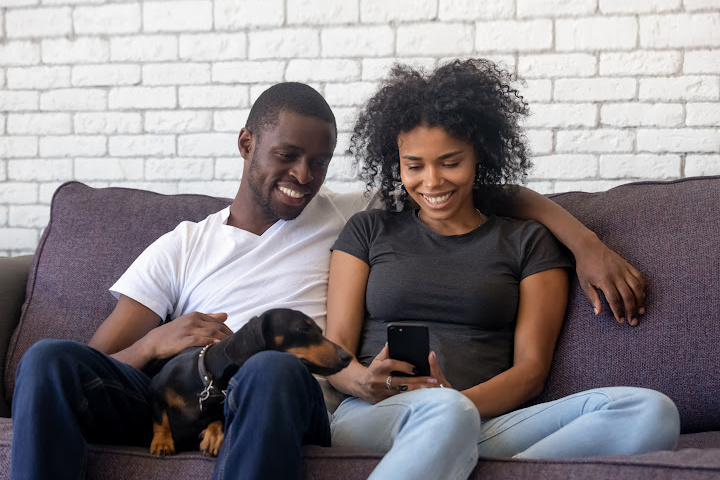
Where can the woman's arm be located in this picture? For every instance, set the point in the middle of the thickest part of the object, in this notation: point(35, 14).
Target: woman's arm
point(598, 267)
point(543, 299)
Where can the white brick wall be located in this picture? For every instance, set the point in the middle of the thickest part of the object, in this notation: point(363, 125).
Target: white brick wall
point(151, 94)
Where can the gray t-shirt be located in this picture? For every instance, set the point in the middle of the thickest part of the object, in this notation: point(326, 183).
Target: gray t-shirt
point(464, 287)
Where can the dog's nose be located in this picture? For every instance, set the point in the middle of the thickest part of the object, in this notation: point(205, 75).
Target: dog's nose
point(344, 356)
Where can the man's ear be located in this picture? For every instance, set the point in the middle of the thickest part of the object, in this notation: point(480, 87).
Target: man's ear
point(245, 143)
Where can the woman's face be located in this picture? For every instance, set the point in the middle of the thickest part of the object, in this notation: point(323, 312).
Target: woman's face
point(438, 171)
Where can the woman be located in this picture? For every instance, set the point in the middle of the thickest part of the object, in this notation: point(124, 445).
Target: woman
point(492, 290)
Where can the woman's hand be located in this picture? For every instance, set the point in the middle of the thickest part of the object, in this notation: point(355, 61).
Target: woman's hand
point(436, 375)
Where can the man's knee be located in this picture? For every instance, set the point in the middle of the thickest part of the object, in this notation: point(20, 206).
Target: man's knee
point(271, 372)
point(49, 355)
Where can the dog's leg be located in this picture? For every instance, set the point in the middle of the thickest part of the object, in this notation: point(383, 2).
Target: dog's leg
point(212, 438)
point(162, 442)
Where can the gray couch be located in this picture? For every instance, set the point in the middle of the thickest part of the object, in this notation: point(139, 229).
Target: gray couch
point(670, 231)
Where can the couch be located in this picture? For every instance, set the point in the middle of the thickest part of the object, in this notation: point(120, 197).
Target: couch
point(669, 230)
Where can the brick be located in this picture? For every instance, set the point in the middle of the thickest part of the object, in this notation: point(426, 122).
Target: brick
point(640, 166)
point(176, 73)
point(107, 19)
point(208, 145)
point(564, 166)
point(642, 114)
point(178, 169)
point(18, 238)
point(434, 39)
point(39, 123)
point(341, 168)
point(345, 117)
point(595, 89)
point(592, 33)
point(702, 165)
point(690, 140)
point(228, 169)
point(322, 12)
point(640, 62)
point(74, 99)
point(326, 70)
point(19, 53)
point(285, 43)
point(80, 50)
point(213, 46)
point(40, 170)
point(382, 11)
point(646, 6)
point(108, 123)
point(702, 114)
point(142, 97)
point(107, 168)
point(702, 61)
point(555, 8)
point(676, 31)
point(18, 193)
point(166, 188)
point(38, 78)
point(3, 212)
point(72, 145)
point(177, 121)
point(141, 145)
point(38, 22)
point(230, 120)
point(18, 146)
point(378, 68)
point(238, 14)
point(679, 88)
point(472, 9)
point(370, 41)
point(20, 3)
point(562, 115)
point(18, 100)
point(142, 48)
point(178, 16)
point(591, 141)
point(248, 72)
point(47, 190)
point(543, 188)
point(29, 216)
point(71, 2)
point(354, 93)
point(536, 91)
point(557, 65)
point(105, 75)
point(343, 142)
point(700, 4)
point(540, 142)
point(216, 96)
point(511, 35)
point(588, 185)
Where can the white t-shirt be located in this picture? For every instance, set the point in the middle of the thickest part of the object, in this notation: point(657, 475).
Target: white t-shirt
point(211, 267)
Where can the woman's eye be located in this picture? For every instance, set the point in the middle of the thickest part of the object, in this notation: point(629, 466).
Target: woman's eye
point(451, 165)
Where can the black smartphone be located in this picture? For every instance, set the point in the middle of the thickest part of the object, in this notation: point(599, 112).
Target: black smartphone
point(410, 342)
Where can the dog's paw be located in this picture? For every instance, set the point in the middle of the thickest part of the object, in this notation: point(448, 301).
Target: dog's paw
point(162, 445)
point(212, 439)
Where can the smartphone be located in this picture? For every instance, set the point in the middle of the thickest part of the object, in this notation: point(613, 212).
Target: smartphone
point(410, 342)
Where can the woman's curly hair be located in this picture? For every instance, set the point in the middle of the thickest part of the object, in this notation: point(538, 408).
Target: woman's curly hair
point(473, 100)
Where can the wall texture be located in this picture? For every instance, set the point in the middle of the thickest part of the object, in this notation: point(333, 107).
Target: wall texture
point(151, 93)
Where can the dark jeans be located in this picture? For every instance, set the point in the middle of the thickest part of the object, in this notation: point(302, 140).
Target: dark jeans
point(68, 395)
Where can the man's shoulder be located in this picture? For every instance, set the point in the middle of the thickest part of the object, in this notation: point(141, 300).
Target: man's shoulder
point(348, 202)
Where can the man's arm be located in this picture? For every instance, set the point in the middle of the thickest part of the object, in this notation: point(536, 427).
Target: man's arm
point(598, 267)
point(132, 333)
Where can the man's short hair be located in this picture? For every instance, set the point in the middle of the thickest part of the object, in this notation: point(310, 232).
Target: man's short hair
point(289, 96)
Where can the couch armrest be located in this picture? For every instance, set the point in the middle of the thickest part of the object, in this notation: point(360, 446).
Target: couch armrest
point(13, 280)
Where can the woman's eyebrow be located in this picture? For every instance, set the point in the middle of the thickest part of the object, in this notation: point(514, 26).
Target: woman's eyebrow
point(444, 156)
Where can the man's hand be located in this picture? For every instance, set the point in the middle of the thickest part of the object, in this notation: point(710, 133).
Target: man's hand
point(191, 330)
point(600, 268)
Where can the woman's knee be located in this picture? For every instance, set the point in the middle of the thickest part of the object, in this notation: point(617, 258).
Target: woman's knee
point(662, 419)
point(451, 410)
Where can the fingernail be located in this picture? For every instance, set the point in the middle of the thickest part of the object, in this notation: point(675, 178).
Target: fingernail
point(403, 388)
point(596, 311)
point(622, 320)
point(432, 380)
point(415, 371)
point(641, 310)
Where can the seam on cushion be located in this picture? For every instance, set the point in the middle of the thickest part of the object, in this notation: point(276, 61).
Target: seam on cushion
point(646, 182)
point(615, 463)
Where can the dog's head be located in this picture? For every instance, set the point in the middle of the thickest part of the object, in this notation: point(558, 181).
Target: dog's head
point(294, 332)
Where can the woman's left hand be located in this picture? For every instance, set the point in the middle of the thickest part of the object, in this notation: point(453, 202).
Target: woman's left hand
point(436, 373)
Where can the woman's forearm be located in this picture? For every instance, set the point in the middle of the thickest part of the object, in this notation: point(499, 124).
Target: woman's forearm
point(506, 391)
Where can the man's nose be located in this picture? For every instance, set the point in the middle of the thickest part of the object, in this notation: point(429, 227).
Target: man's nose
point(302, 172)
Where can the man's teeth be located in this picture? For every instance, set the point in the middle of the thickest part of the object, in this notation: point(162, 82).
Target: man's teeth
point(437, 200)
point(290, 193)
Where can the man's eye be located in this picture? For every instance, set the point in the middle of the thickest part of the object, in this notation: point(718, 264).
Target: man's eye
point(287, 156)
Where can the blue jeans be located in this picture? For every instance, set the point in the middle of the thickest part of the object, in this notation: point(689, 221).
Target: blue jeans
point(68, 395)
point(431, 433)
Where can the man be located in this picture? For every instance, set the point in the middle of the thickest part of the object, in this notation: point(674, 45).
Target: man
point(270, 248)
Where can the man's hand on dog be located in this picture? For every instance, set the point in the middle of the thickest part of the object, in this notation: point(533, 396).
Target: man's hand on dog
point(191, 330)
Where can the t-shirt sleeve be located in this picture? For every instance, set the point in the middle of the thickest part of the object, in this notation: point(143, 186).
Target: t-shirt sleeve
point(541, 251)
point(355, 237)
point(153, 278)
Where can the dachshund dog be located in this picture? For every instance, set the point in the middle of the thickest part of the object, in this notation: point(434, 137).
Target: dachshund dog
point(187, 394)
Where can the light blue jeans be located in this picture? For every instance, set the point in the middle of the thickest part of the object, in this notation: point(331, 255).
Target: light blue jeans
point(437, 433)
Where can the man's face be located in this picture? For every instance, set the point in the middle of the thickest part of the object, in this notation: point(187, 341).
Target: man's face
point(288, 164)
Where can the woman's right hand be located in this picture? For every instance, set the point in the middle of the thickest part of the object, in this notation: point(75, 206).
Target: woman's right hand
point(374, 381)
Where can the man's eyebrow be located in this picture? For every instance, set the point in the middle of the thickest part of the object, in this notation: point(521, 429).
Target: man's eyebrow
point(289, 146)
point(444, 156)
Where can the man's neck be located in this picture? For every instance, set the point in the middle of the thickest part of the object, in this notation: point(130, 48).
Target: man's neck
point(246, 215)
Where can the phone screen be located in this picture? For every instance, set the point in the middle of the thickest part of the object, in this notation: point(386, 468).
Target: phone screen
point(410, 342)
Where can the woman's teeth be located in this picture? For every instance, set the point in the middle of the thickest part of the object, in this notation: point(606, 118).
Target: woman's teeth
point(290, 193)
point(437, 200)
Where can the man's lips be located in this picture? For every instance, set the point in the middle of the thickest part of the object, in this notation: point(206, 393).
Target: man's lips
point(291, 192)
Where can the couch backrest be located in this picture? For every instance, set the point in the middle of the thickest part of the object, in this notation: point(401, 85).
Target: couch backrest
point(668, 230)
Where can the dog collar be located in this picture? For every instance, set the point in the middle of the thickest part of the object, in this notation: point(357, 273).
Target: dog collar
point(210, 392)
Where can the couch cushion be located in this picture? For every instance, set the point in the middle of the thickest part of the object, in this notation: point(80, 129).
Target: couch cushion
point(92, 237)
point(670, 232)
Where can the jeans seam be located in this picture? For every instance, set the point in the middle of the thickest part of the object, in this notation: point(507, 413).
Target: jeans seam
point(99, 382)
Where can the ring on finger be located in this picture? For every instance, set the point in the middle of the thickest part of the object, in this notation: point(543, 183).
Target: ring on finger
point(388, 382)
